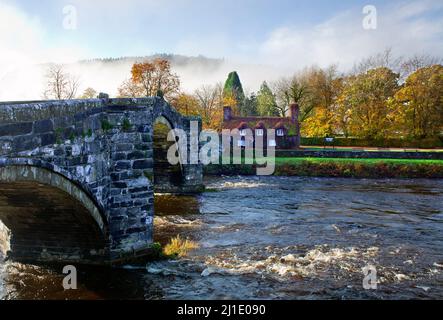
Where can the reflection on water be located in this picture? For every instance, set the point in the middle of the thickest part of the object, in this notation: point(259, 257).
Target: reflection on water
point(276, 238)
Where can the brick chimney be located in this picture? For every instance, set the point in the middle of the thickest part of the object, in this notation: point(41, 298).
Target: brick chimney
point(294, 112)
point(227, 113)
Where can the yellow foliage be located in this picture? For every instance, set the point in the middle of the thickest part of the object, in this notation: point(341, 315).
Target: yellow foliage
point(230, 100)
point(186, 104)
point(363, 103)
point(189, 105)
point(417, 106)
point(179, 247)
point(320, 124)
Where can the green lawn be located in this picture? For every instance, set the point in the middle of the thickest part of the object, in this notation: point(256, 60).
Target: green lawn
point(295, 161)
point(368, 149)
point(362, 161)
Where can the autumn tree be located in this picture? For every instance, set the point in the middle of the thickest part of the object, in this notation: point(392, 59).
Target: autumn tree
point(366, 97)
point(151, 78)
point(130, 89)
point(206, 102)
point(292, 90)
point(89, 93)
point(343, 112)
point(418, 105)
point(384, 59)
point(210, 104)
point(417, 62)
point(60, 84)
point(404, 66)
point(315, 90)
point(323, 86)
point(186, 104)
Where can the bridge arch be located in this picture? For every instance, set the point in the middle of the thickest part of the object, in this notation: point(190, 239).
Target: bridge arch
point(46, 215)
point(99, 155)
point(166, 177)
point(164, 111)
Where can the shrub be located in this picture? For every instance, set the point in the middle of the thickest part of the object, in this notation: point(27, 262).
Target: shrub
point(428, 143)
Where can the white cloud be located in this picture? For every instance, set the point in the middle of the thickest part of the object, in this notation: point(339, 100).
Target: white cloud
point(19, 35)
point(25, 51)
point(414, 8)
point(342, 39)
point(407, 27)
point(23, 48)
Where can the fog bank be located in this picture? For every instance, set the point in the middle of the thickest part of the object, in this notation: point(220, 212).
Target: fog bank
point(27, 82)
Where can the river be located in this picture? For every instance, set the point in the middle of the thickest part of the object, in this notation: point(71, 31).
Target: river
point(275, 238)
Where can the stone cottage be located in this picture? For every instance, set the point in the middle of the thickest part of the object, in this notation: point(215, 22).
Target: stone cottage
point(287, 129)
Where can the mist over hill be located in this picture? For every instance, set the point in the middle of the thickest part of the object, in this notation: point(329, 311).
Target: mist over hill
point(106, 74)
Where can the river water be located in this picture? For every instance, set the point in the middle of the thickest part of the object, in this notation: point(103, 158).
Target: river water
point(275, 238)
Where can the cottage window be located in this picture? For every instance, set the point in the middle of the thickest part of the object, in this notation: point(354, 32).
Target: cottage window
point(272, 143)
point(280, 132)
point(259, 132)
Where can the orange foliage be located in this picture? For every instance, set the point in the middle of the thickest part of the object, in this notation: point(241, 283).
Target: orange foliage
point(151, 79)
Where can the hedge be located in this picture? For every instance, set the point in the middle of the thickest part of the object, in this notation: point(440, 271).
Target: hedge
point(428, 143)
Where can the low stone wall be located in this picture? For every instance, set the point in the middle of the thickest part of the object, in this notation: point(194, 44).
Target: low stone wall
point(359, 154)
point(42, 110)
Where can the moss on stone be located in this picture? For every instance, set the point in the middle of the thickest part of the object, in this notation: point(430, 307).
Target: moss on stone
point(126, 125)
point(149, 175)
point(106, 125)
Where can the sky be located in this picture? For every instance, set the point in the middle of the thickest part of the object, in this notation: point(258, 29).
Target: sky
point(283, 34)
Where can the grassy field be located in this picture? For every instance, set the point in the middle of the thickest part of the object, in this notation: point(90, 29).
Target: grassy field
point(367, 149)
point(280, 161)
point(366, 161)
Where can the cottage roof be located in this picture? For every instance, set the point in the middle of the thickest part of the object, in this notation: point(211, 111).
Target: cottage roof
point(280, 125)
point(260, 125)
point(243, 125)
point(256, 123)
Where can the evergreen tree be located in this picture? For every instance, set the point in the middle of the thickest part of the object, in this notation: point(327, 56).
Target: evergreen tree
point(266, 102)
point(250, 107)
point(233, 90)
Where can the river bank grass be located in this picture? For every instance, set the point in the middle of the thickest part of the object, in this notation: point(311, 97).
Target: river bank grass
point(359, 168)
point(368, 149)
point(371, 161)
point(340, 167)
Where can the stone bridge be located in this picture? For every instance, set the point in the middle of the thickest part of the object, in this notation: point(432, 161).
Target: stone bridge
point(77, 178)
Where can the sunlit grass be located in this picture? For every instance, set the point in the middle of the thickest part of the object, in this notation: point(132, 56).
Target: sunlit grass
point(366, 161)
point(362, 161)
point(179, 247)
point(369, 149)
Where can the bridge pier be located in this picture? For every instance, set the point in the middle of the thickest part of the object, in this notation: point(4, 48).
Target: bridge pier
point(92, 166)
